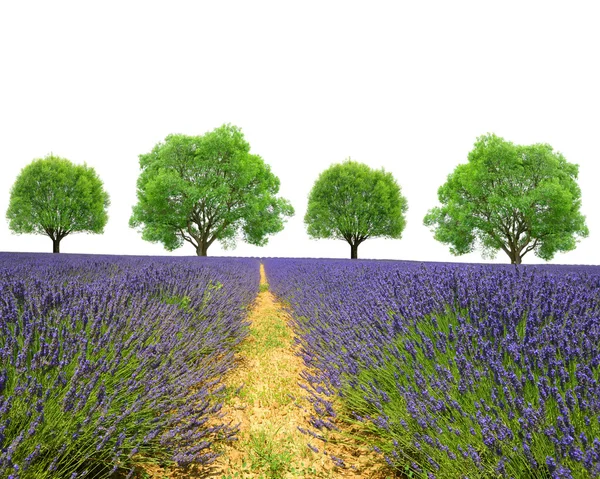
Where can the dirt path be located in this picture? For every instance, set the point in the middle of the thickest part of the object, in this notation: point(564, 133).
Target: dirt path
point(264, 398)
point(270, 406)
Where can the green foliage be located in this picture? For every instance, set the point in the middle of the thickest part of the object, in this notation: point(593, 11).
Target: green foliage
point(183, 302)
point(268, 456)
point(512, 198)
point(201, 189)
point(54, 197)
point(353, 202)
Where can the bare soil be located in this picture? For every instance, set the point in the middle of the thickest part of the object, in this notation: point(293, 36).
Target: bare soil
point(265, 399)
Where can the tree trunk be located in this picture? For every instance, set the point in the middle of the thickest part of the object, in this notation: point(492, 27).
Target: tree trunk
point(353, 251)
point(512, 251)
point(55, 245)
point(202, 249)
point(515, 258)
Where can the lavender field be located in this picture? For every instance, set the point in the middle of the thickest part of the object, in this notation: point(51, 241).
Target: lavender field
point(452, 370)
point(449, 370)
point(110, 361)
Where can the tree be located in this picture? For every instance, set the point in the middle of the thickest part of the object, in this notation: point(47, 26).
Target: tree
point(353, 202)
point(201, 189)
point(512, 198)
point(53, 197)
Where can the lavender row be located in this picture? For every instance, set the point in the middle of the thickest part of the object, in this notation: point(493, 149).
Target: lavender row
point(456, 370)
point(107, 361)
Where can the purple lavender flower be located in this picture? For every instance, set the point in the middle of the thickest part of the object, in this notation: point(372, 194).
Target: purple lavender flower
point(102, 346)
point(506, 357)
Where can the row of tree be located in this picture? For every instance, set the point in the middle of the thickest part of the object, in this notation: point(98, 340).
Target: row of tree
point(202, 189)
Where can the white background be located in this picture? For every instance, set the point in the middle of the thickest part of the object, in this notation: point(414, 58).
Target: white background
point(407, 86)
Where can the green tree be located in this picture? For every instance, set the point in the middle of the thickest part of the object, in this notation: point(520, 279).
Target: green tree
point(353, 202)
point(53, 197)
point(201, 189)
point(512, 198)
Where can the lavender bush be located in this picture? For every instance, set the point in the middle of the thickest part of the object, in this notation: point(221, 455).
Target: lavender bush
point(456, 370)
point(111, 361)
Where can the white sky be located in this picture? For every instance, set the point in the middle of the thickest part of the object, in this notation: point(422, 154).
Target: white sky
point(407, 86)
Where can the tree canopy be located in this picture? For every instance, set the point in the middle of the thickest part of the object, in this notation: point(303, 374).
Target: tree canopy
point(54, 197)
point(200, 189)
point(512, 198)
point(353, 202)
